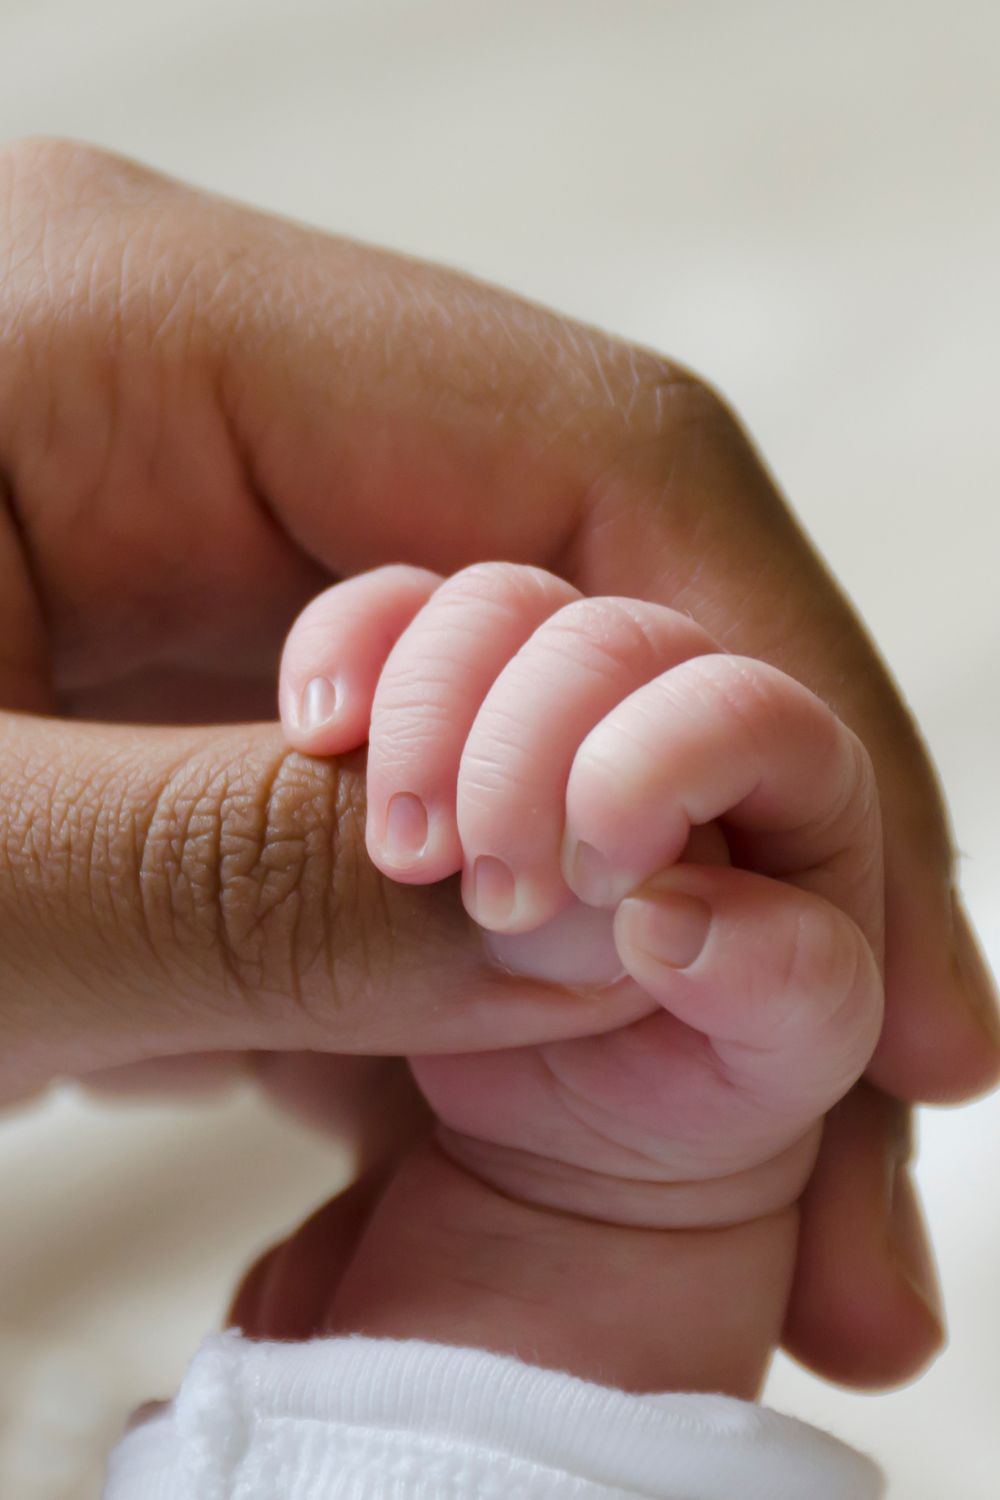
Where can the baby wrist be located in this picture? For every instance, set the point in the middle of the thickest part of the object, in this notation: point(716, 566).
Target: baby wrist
point(634, 1308)
point(648, 1202)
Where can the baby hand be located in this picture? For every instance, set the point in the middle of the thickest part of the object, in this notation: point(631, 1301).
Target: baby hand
point(621, 798)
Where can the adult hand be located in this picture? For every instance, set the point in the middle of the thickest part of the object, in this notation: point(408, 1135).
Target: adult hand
point(205, 415)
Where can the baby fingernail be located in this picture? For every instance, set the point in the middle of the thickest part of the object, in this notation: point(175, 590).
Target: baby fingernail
point(406, 828)
point(493, 891)
point(590, 875)
point(317, 704)
point(668, 928)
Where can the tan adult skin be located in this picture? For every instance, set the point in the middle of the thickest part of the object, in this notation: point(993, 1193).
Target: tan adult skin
point(205, 415)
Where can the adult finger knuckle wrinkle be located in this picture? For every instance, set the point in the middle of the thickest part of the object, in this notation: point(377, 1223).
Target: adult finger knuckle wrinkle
point(52, 189)
point(90, 244)
point(35, 165)
point(50, 839)
point(239, 874)
point(48, 157)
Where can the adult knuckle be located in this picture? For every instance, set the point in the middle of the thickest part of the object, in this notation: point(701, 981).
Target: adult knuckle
point(45, 155)
point(62, 874)
point(51, 191)
point(659, 402)
point(241, 876)
point(35, 165)
point(49, 834)
point(662, 438)
point(89, 242)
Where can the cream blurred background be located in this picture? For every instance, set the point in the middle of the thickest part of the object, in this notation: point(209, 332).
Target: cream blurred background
point(800, 200)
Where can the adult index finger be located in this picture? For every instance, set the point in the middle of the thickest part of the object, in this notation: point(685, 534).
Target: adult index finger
point(168, 891)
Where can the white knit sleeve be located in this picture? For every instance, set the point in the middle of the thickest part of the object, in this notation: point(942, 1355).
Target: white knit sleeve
point(375, 1419)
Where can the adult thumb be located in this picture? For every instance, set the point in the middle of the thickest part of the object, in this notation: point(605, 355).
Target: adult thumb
point(174, 890)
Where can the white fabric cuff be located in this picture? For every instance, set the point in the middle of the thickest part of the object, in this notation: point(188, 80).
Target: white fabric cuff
point(375, 1419)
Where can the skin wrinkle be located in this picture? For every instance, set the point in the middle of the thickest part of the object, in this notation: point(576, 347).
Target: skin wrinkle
point(121, 826)
point(176, 308)
point(158, 871)
point(531, 1166)
point(352, 902)
point(490, 585)
point(231, 385)
point(270, 829)
point(598, 622)
point(203, 876)
point(593, 1116)
point(494, 1288)
point(324, 841)
point(80, 501)
point(137, 823)
point(23, 870)
point(63, 841)
point(587, 1111)
point(82, 838)
point(419, 718)
point(555, 339)
point(261, 844)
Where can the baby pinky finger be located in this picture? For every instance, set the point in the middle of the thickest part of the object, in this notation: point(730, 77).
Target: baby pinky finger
point(783, 983)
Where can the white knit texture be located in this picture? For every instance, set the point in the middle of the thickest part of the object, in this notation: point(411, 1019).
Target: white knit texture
point(375, 1419)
